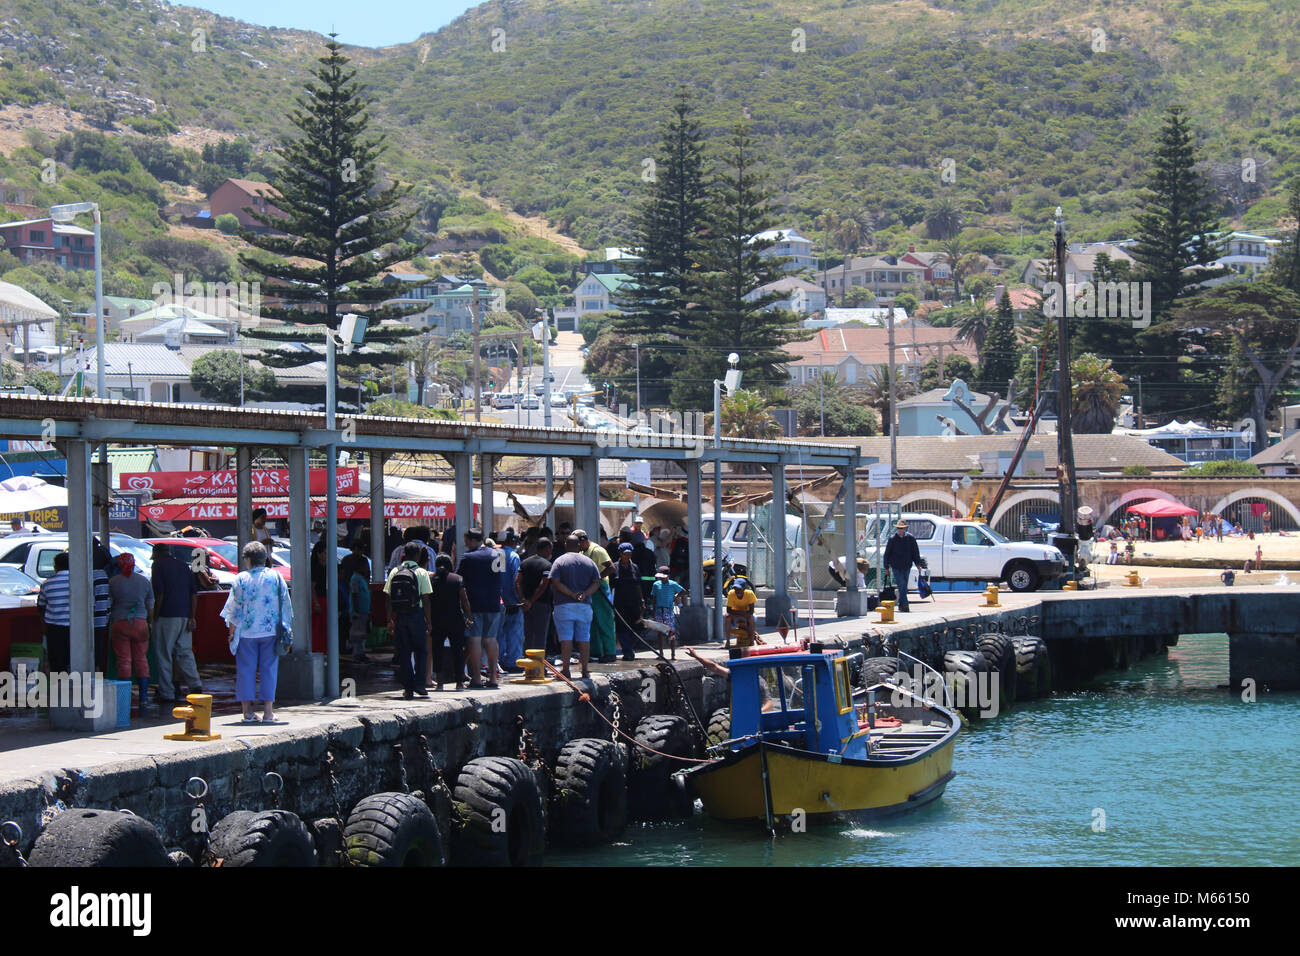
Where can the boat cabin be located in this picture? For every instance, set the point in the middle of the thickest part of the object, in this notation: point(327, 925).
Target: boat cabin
point(800, 700)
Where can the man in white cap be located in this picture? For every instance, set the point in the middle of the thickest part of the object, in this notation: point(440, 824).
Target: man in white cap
point(900, 554)
point(638, 532)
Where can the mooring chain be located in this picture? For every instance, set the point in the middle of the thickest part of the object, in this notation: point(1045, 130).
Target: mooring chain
point(11, 834)
point(401, 767)
point(333, 783)
point(437, 782)
point(681, 706)
point(615, 714)
point(529, 753)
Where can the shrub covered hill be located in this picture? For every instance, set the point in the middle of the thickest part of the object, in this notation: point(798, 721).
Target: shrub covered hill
point(553, 106)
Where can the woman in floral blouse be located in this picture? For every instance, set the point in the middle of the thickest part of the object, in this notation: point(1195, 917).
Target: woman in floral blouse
point(257, 601)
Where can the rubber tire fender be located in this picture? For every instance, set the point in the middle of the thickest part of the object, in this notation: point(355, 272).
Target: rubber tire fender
point(651, 792)
point(392, 829)
point(1002, 658)
point(1033, 667)
point(502, 818)
point(878, 670)
point(590, 804)
point(260, 838)
point(83, 837)
point(719, 725)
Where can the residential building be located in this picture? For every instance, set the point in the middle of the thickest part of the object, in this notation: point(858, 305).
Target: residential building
point(141, 372)
point(885, 276)
point(937, 270)
point(879, 318)
point(1080, 264)
point(617, 261)
point(788, 243)
point(234, 195)
point(598, 292)
point(854, 354)
point(798, 295)
point(44, 240)
point(448, 301)
point(1192, 442)
point(1244, 254)
point(930, 412)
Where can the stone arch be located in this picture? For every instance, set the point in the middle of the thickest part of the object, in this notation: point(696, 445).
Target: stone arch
point(1019, 496)
point(931, 494)
point(1133, 495)
point(1266, 493)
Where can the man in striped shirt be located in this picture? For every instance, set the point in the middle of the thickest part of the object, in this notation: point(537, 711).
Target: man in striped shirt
point(55, 607)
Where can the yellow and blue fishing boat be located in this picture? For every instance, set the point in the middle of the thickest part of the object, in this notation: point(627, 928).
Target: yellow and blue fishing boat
point(805, 744)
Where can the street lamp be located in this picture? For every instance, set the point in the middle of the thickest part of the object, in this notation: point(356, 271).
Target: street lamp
point(66, 213)
point(730, 382)
point(955, 506)
point(637, 347)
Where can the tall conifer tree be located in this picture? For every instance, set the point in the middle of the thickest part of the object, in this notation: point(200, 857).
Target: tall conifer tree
point(1001, 354)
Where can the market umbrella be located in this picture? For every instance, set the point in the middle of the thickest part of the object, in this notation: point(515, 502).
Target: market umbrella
point(26, 493)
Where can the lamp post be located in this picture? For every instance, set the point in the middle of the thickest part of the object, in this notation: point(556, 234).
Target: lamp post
point(955, 505)
point(1064, 430)
point(637, 347)
point(731, 383)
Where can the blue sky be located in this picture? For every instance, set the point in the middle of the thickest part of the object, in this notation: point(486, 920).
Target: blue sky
point(361, 22)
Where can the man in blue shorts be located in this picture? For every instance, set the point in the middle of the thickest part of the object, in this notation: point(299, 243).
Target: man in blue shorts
point(481, 568)
point(574, 579)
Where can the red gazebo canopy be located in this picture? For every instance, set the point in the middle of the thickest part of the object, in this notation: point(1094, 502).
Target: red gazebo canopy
point(1162, 509)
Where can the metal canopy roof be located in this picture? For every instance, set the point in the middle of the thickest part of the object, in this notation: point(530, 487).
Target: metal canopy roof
point(98, 420)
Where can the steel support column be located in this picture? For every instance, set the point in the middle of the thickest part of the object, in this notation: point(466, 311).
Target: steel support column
point(378, 551)
point(331, 575)
point(849, 604)
point(486, 502)
point(463, 466)
point(694, 621)
point(778, 605)
point(302, 673)
point(243, 496)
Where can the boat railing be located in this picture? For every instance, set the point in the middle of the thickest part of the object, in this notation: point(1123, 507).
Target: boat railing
point(939, 678)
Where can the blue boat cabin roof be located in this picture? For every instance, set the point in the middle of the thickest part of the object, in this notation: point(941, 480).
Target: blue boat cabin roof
point(768, 696)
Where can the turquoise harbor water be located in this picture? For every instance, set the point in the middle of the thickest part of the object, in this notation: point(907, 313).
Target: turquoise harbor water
point(1185, 773)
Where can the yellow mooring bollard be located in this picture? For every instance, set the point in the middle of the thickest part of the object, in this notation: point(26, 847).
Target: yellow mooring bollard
point(991, 596)
point(534, 664)
point(886, 609)
point(197, 717)
point(1134, 581)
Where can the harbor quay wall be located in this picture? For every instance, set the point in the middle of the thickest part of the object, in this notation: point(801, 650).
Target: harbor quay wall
point(352, 752)
point(1090, 632)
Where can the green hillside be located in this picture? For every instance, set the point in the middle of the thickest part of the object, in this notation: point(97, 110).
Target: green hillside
point(553, 105)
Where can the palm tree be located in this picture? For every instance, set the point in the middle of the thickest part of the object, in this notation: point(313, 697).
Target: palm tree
point(744, 415)
point(875, 392)
point(973, 322)
point(849, 232)
point(944, 219)
point(1097, 392)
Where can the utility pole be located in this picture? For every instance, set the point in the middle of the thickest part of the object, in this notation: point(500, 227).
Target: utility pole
point(821, 394)
point(893, 418)
point(1139, 409)
point(546, 405)
point(478, 396)
point(1064, 428)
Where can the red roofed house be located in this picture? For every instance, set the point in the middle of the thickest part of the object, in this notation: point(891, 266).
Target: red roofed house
point(234, 194)
point(851, 353)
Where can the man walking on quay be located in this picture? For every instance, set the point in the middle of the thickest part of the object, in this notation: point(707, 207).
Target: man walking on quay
point(175, 606)
point(512, 620)
point(900, 554)
point(603, 647)
point(536, 597)
point(482, 569)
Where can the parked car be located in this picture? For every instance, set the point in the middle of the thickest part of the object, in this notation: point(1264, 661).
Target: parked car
point(33, 554)
point(222, 557)
point(17, 589)
point(530, 401)
point(958, 550)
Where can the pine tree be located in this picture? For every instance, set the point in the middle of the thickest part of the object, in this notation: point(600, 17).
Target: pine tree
point(1285, 267)
point(339, 230)
point(1001, 353)
point(1176, 231)
point(660, 305)
point(732, 267)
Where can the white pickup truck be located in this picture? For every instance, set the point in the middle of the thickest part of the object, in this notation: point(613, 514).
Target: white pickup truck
point(958, 550)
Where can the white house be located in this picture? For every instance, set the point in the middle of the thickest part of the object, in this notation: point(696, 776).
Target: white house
point(798, 295)
point(599, 293)
point(790, 244)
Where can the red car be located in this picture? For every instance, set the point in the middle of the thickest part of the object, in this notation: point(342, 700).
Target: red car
point(222, 556)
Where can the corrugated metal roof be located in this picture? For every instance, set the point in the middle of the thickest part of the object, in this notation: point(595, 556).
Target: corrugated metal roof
point(157, 361)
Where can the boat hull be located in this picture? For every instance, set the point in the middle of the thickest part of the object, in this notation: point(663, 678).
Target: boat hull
point(822, 788)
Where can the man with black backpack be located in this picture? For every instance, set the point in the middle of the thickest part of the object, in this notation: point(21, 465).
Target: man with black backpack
point(410, 618)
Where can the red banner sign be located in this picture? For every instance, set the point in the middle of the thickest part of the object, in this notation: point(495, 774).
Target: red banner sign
point(265, 481)
point(229, 510)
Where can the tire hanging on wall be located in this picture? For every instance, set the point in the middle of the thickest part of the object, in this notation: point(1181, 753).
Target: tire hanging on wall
point(1002, 658)
point(719, 725)
point(590, 806)
point(392, 829)
point(961, 670)
point(1033, 668)
point(502, 819)
point(879, 670)
point(98, 838)
point(652, 793)
point(260, 838)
